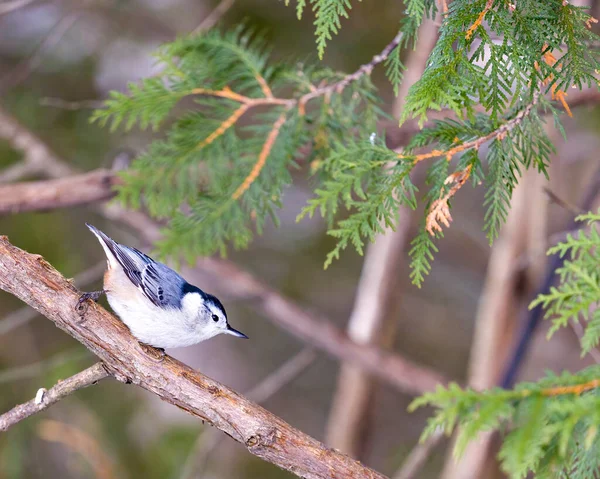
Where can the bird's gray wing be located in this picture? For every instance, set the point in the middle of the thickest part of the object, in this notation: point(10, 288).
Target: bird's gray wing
point(132, 260)
point(162, 285)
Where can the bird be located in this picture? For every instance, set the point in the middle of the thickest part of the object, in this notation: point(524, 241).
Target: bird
point(159, 306)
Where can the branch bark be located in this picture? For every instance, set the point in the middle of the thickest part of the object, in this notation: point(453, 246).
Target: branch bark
point(44, 399)
point(96, 185)
point(35, 282)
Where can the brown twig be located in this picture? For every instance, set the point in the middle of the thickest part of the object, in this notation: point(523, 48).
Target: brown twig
point(417, 457)
point(499, 133)
point(214, 16)
point(262, 158)
point(46, 195)
point(439, 211)
point(479, 20)
point(365, 69)
point(44, 399)
point(80, 442)
point(34, 281)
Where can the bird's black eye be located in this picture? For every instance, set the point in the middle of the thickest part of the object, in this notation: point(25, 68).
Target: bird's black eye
point(215, 318)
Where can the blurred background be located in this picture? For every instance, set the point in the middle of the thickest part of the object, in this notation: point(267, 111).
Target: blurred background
point(58, 59)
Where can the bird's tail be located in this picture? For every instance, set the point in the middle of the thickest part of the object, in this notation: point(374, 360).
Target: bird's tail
point(108, 245)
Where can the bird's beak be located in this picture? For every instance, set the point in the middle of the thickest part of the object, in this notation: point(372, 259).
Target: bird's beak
point(235, 332)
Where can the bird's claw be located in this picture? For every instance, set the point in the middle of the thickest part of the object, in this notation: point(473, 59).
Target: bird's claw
point(81, 307)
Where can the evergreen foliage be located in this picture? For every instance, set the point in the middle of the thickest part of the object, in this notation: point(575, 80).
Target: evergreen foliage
point(241, 121)
point(549, 428)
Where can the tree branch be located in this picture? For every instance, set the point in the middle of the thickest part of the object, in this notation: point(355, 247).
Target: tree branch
point(36, 154)
point(96, 185)
point(34, 281)
point(44, 399)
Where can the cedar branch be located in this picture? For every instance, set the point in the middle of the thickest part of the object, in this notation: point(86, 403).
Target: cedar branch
point(262, 158)
point(499, 133)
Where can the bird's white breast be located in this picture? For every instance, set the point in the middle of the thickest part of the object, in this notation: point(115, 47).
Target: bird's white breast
point(158, 327)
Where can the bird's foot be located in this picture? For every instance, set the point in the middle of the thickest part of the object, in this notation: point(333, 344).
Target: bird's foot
point(81, 305)
point(156, 354)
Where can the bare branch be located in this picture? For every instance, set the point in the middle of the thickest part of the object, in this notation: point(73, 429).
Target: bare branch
point(46, 195)
point(34, 281)
point(35, 152)
point(213, 17)
point(417, 457)
point(79, 441)
point(44, 399)
point(34, 369)
point(71, 105)
point(282, 376)
point(7, 7)
point(54, 36)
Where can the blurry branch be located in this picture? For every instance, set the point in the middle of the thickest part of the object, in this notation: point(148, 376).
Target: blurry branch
point(80, 442)
point(372, 321)
point(282, 376)
point(417, 457)
point(25, 314)
point(503, 296)
point(311, 328)
point(535, 315)
point(71, 105)
point(44, 399)
point(34, 369)
point(8, 6)
point(37, 157)
point(35, 282)
point(264, 390)
point(213, 17)
point(573, 209)
point(46, 195)
point(26, 66)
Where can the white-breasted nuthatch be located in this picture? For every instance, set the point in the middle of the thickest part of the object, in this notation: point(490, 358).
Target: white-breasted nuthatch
point(160, 307)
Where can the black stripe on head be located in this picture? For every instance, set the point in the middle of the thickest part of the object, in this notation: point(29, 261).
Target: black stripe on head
point(209, 298)
point(214, 300)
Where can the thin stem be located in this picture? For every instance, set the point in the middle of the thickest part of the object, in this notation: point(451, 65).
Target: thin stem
point(44, 399)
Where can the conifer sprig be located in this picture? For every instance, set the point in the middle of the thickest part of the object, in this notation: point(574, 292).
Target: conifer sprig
point(202, 176)
point(549, 428)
